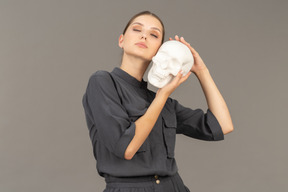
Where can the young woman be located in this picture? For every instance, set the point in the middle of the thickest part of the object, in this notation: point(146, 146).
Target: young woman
point(133, 129)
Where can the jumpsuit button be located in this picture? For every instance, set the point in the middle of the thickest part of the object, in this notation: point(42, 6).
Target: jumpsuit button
point(158, 181)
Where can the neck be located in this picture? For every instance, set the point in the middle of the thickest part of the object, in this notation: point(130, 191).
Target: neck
point(134, 66)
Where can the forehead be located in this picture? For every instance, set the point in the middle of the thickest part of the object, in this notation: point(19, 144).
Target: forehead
point(148, 21)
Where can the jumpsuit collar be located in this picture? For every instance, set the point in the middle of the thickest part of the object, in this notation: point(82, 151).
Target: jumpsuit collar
point(129, 79)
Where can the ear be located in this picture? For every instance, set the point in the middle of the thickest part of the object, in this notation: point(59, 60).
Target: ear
point(120, 41)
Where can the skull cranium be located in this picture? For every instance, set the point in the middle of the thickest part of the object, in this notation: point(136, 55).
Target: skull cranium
point(171, 57)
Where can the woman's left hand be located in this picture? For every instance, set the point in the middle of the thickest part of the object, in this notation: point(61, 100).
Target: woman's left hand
point(215, 101)
point(199, 65)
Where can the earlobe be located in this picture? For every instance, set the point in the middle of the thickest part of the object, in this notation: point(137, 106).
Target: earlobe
point(120, 41)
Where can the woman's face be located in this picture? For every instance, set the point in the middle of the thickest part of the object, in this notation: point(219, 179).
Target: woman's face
point(142, 38)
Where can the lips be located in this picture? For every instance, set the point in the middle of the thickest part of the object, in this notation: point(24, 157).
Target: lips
point(141, 44)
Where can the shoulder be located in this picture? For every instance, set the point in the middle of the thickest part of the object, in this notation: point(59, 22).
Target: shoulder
point(101, 74)
point(99, 79)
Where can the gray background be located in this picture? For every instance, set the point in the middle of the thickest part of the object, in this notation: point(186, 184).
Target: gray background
point(49, 49)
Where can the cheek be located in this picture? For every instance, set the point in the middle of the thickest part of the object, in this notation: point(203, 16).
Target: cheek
point(157, 46)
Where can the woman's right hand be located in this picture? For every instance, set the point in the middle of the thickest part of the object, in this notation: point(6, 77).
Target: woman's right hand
point(168, 89)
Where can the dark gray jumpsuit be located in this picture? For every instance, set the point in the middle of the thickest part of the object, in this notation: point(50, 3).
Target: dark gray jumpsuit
point(112, 103)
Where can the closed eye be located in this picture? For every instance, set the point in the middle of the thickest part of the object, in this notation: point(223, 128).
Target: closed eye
point(153, 35)
point(138, 30)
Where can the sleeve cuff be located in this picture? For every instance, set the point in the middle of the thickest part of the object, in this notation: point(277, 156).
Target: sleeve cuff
point(124, 141)
point(214, 126)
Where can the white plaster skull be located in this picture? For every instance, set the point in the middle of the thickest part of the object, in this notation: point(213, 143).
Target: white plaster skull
point(171, 57)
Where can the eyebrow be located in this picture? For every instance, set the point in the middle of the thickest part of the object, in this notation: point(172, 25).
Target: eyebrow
point(155, 28)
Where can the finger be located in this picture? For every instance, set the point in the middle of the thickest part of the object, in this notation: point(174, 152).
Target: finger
point(179, 74)
point(184, 78)
point(194, 52)
point(178, 77)
point(187, 44)
point(177, 38)
point(188, 74)
point(184, 42)
point(181, 39)
point(170, 38)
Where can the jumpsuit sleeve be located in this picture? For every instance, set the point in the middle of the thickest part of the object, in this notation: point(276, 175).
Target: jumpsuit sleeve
point(197, 124)
point(108, 116)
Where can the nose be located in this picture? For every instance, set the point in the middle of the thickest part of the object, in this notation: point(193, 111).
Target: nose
point(143, 36)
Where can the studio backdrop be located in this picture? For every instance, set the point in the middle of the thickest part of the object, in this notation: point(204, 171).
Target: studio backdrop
point(49, 49)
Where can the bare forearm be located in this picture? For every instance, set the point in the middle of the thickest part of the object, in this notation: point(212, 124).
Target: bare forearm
point(145, 124)
point(215, 101)
point(214, 98)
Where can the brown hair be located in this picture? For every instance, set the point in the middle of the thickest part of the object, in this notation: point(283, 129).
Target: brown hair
point(145, 13)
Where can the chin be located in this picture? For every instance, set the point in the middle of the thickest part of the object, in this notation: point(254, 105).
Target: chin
point(144, 53)
point(145, 58)
point(141, 55)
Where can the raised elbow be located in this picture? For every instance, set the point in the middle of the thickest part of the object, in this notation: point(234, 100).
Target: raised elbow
point(128, 157)
point(228, 130)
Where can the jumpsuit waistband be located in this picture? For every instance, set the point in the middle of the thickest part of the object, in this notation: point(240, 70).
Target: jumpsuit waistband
point(136, 179)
